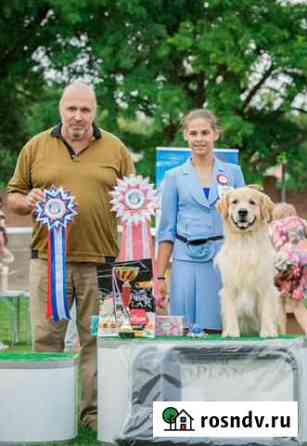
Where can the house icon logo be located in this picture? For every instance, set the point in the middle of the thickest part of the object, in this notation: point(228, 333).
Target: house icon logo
point(177, 421)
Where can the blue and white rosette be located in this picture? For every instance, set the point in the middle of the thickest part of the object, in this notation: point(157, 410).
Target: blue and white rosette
point(56, 211)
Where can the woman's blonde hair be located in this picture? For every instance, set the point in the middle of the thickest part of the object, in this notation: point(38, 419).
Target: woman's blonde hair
point(283, 210)
point(201, 113)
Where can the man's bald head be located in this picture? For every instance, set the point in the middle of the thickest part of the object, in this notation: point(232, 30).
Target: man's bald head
point(78, 110)
point(79, 88)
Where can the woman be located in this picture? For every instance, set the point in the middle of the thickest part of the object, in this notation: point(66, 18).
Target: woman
point(191, 229)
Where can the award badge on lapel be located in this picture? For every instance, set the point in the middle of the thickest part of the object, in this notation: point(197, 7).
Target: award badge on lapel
point(222, 185)
point(56, 211)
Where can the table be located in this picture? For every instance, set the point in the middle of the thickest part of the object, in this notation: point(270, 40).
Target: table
point(132, 373)
point(13, 298)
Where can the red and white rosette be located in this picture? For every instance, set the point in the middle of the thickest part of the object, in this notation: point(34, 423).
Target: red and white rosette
point(135, 201)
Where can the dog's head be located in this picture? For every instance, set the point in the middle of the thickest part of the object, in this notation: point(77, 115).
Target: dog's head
point(244, 209)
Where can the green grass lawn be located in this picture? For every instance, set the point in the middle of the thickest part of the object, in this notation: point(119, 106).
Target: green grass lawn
point(7, 312)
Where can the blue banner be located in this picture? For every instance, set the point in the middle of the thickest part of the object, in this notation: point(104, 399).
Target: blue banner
point(170, 157)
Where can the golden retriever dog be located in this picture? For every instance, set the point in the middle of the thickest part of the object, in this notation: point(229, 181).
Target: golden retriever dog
point(250, 302)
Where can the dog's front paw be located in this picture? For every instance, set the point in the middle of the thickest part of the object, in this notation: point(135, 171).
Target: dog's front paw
point(269, 333)
point(230, 333)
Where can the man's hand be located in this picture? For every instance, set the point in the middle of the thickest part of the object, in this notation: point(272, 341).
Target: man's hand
point(33, 197)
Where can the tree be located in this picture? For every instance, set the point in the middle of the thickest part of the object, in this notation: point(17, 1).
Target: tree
point(243, 59)
point(32, 33)
point(22, 31)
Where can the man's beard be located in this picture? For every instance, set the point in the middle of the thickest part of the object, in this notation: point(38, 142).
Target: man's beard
point(76, 135)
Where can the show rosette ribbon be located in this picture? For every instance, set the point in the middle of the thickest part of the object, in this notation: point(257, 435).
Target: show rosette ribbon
point(56, 211)
point(135, 201)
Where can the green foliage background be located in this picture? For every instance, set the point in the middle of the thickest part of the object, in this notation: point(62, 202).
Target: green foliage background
point(151, 62)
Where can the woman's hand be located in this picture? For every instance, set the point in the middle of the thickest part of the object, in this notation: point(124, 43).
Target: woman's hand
point(162, 300)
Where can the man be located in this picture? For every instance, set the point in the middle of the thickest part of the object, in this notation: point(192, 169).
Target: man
point(85, 161)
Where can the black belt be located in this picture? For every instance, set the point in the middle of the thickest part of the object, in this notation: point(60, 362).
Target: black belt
point(200, 241)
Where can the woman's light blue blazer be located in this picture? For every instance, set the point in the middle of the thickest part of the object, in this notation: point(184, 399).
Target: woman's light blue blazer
point(186, 211)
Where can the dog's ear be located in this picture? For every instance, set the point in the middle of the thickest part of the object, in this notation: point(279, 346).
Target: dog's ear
point(222, 206)
point(266, 208)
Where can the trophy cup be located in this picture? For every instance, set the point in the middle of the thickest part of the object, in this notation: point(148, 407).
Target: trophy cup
point(126, 274)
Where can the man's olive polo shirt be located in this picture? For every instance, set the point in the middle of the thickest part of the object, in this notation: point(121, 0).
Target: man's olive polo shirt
point(48, 160)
